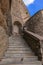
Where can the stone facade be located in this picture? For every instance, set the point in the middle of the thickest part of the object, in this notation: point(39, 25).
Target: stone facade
point(19, 11)
point(17, 8)
point(35, 23)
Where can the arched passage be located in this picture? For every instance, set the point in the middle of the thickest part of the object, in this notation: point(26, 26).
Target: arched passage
point(17, 27)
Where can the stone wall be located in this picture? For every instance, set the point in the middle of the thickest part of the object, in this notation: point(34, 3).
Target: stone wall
point(9, 22)
point(3, 42)
point(19, 11)
point(6, 10)
point(3, 21)
point(34, 43)
point(4, 5)
point(3, 33)
point(35, 23)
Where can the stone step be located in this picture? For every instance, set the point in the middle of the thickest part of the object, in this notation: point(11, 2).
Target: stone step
point(23, 64)
point(16, 40)
point(23, 56)
point(16, 46)
point(17, 43)
point(29, 58)
point(19, 46)
point(13, 49)
point(19, 55)
point(21, 52)
point(19, 49)
point(19, 61)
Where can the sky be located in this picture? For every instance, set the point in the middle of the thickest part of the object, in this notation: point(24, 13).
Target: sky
point(33, 6)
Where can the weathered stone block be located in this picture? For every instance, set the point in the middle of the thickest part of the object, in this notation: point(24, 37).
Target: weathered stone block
point(3, 21)
point(35, 26)
point(6, 10)
point(4, 5)
point(35, 23)
point(3, 42)
point(9, 22)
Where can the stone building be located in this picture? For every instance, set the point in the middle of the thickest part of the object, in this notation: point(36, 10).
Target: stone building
point(19, 11)
point(35, 23)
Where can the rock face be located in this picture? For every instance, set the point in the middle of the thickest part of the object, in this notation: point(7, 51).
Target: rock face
point(3, 29)
point(9, 22)
point(3, 21)
point(3, 42)
point(5, 7)
point(35, 23)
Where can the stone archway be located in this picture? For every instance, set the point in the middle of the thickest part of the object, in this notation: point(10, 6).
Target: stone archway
point(17, 26)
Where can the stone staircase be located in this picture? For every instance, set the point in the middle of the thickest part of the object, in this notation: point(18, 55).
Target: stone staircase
point(19, 53)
